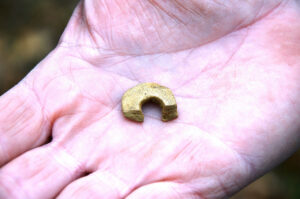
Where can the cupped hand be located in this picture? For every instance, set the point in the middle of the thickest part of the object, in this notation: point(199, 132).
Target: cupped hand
point(233, 66)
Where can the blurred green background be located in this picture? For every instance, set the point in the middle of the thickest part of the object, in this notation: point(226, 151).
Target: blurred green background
point(29, 29)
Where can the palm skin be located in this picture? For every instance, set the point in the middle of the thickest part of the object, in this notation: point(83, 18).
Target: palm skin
point(234, 71)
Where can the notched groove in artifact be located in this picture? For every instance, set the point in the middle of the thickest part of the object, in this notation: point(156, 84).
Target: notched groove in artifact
point(134, 98)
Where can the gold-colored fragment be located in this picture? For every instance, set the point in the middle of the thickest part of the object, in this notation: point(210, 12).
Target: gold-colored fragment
point(134, 98)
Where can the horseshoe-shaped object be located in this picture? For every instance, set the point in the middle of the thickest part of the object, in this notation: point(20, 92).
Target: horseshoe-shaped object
point(134, 98)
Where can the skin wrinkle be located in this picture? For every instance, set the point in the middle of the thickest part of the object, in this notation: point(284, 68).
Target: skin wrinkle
point(123, 9)
point(250, 166)
point(122, 190)
point(285, 38)
point(140, 23)
point(85, 94)
point(230, 57)
point(177, 21)
point(151, 171)
point(175, 191)
point(78, 15)
point(85, 21)
point(258, 12)
point(44, 110)
point(120, 86)
point(39, 139)
point(167, 70)
point(94, 165)
point(239, 46)
point(257, 18)
point(213, 186)
point(135, 54)
point(161, 8)
point(49, 175)
point(57, 115)
point(142, 180)
point(188, 9)
point(159, 35)
point(15, 124)
point(175, 157)
point(16, 185)
point(132, 74)
point(81, 168)
point(94, 99)
point(239, 27)
point(224, 189)
point(213, 137)
point(3, 151)
point(84, 111)
point(46, 115)
point(102, 69)
point(120, 75)
point(191, 79)
point(20, 104)
point(108, 96)
point(193, 123)
point(142, 177)
point(155, 23)
point(67, 136)
point(109, 33)
point(111, 111)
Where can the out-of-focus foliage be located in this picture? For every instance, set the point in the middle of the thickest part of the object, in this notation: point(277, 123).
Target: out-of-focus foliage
point(281, 183)
point(29, 29)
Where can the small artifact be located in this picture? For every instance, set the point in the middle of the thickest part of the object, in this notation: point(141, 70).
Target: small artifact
point(134, 98)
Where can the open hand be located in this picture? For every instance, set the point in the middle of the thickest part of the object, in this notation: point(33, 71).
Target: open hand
point(233, 66)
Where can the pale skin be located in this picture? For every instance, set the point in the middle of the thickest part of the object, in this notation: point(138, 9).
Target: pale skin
point(234, 68)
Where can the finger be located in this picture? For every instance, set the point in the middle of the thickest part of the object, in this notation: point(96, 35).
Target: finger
point(163, 190)
point(40, 173)
point(22, 123)
point(96, 185)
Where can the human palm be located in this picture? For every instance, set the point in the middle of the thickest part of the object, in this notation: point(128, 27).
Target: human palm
point(234, 71)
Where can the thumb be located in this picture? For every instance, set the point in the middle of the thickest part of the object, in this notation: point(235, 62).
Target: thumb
point(139, 27)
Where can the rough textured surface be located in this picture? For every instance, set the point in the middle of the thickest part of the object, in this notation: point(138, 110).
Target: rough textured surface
point(135, 97)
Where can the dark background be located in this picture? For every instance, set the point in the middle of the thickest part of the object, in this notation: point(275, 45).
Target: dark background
point(29, 29)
